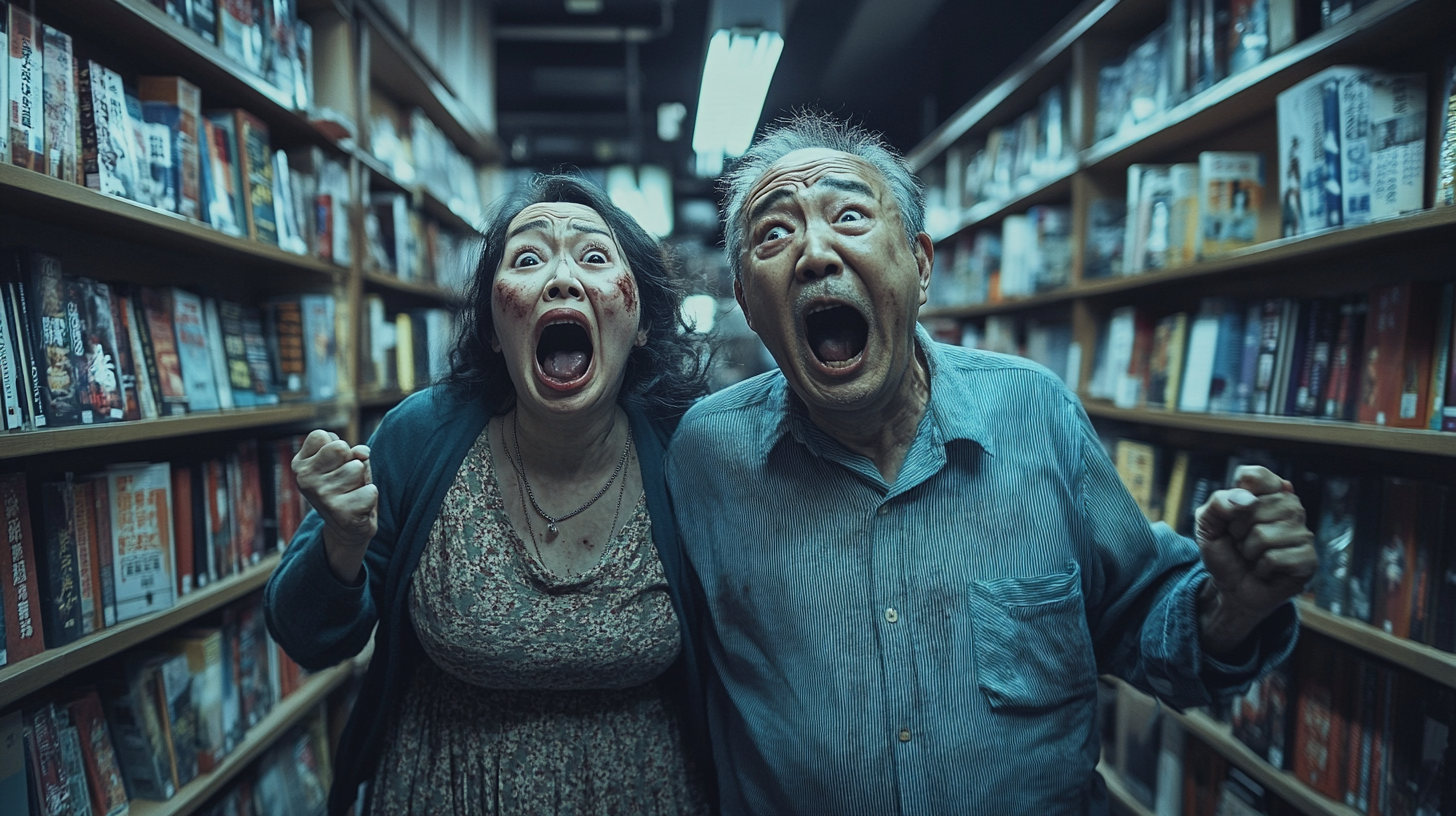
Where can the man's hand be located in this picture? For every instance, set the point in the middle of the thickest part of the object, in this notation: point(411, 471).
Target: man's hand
point(335, 479)
point(1258, 552)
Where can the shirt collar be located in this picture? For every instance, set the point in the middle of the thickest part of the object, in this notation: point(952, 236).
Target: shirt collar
point(954, 412)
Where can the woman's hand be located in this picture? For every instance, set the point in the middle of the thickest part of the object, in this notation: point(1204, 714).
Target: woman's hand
point(336, 481)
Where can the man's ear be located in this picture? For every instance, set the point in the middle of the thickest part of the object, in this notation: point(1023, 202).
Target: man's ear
point(924, 261)
point(742, 304)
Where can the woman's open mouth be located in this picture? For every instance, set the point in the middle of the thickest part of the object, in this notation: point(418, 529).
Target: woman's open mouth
point(564, 353)
point(837, 335)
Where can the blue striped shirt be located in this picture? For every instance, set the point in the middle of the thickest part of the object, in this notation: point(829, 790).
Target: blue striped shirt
point(932, 645)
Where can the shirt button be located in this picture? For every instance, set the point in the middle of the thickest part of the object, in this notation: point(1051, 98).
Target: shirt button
point(904, 735)
point(884, 510)
point(891, 615)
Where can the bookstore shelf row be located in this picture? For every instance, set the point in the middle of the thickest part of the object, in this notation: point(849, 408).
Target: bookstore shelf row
point(1123, 801)
point(36, 673)
point(1418, 657)
point(314, 691)
point(428, 292)
point(1289, 429)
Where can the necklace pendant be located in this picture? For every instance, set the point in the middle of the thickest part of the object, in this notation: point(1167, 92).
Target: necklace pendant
point(552, 528)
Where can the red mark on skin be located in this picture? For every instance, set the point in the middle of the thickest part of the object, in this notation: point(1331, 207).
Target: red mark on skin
point(628, 287)
point(512, 299)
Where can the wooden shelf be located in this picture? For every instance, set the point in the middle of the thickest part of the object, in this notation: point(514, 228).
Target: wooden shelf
point(175, 49)
point(422, 291)
point(1282, 783)
point(285, 714)
point(380, 173)
point(442, 212)
point(1290, 429)
point(1253, 90)
point(35, 673)
point(1296, 252)
point(25, 192)
point(396, 68)
point(1118, 793)
point(1433, 663)
point(55, 440)
point(1056, 187)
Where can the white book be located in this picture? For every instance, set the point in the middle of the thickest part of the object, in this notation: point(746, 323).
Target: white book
point(217, 353)
point(1121, 335)
point(10, 389)
point(191, 330)
point(142, 538)
point(1016, 271)
point(26, 112)
point(1397, 144)
point(146, 397)
point(4, 79)
point(1198, 362)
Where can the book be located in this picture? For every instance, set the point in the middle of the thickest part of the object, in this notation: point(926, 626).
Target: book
point(130, 695)
point(1231, 187)
point(60, 106)
point(1391, 605)
point(81, 503)
point(217, 354)
point(5, 82)
point(25, 107)
point(24, 629)
point(255, 350)
point(240, 33)
point(177, 104)
point(1397, 147)
point(1321, 322)
point(105, 786)
point(1051, 246)
point(1433, 527)
point(105, 565)
point(202, 650)
point(48, 767)
point(222, 183)
point(1106, 229)
point(105, 397)
point(285, 334)
point(142, 536)
point(1136, 464)
point(1183, 224)
point(178, 717)
point(1441, 355)
point(109, 156)
point(55, 319)
point(1344, 387)
point(136, 404)
point(255, 169)
point(14, 795)
point(192, 352)
point(1320, 730)
point(1396, 366)
point(159, 165)
point(61, 610)
point(1310, 191)
point(1446, 156)
point(13, 392)
point(217, 513)
point(321, 354)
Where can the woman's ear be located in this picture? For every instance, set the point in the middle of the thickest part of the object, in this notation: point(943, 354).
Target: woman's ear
point(494, 342)
point(642, 336)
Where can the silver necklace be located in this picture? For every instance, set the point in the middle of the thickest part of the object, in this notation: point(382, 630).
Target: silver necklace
point(519, 462)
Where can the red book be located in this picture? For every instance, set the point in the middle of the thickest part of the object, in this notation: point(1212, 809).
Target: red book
point(1381, 723)
point(1320, 727)
point(24, 633)
point(182, 529)
point(219, 524)
point(1396, 368)
point(83, 525)
point(49, 766)
point(249, 508)
point(1391, 609)
point(157, 305)
point(103, 774)
point(1360, 712)
point(1426, 577)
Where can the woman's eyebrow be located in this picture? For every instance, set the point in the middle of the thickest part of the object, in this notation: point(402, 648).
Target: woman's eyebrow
point(539, 223)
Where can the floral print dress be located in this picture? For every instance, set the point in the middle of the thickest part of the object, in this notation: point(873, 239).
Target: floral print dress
point(538, 696)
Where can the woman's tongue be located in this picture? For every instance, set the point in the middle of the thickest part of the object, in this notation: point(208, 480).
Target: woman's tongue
point(566, 366)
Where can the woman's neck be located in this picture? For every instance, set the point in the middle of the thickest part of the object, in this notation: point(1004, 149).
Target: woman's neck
point(566, 447)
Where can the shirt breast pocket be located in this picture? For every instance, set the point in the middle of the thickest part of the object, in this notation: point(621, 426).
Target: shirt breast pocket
point(1029, 634)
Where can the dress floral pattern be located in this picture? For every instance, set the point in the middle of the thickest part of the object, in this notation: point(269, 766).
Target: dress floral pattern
point(539, 694)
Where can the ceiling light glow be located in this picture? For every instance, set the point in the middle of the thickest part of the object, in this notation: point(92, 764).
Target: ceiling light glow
point(736, 77)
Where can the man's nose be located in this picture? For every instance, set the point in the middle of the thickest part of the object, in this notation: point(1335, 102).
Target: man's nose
point(820, 258)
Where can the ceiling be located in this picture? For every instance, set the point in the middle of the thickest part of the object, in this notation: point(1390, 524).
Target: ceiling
point(580, 81)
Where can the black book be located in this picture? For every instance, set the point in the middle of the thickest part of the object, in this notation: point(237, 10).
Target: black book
point(22, 327)
point(1364, 551)
point(60, 568)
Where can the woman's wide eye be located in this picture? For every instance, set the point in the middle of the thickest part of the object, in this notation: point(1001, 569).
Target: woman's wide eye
point(595, 256)
point(528, 258)
point(775, 233)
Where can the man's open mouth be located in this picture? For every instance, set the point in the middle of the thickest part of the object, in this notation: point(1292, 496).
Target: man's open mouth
point(837, 334)
point(564, 351)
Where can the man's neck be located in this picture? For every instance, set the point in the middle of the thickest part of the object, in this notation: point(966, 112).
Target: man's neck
point(883, 433)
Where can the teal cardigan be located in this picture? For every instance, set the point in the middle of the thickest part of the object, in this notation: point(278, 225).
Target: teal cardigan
point(414, 457)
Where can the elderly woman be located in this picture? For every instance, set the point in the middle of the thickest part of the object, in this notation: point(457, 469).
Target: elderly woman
point(509, 533)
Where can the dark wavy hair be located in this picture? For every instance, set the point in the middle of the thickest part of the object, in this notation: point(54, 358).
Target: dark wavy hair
point(663, 376)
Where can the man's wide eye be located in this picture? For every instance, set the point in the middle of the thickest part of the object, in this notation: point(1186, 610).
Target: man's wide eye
point(775, 233)
point(849, 216)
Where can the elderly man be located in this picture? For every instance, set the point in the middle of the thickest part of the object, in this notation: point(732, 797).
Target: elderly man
point(915, 559)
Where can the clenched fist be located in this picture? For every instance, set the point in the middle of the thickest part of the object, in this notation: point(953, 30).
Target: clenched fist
point(335, 479)
point(1258, 553)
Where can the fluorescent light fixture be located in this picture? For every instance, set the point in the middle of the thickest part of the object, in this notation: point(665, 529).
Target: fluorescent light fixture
point(699, 312)
point(646, 195)
point(736, 77)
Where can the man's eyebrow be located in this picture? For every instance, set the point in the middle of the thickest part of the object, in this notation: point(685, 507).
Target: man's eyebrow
point(539, 223)
point(768, 203)
point(848, 185)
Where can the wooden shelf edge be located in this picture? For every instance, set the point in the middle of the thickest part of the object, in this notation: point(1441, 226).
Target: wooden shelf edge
point(1418, 657)
point(1052, 46)
point(288, 711)
point(1270, 70)
point(442, 212)
point(1285, 784)
point(1289, 429)
point(1046, 189)
point(385, 280)
point(35, 673)
point(80, 201)
point(55, 440)
point(1118, 793)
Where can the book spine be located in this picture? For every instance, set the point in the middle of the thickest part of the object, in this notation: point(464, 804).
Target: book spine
point(27, 83)
point(101, 502)
point(60, 105)
point(11, 390)
point(1446, 157)
point(40, 417)
point(1441, 363)
point(61, 608)
point(182, 525)
point(91, 119)
point(83, 530)
point(24, 630)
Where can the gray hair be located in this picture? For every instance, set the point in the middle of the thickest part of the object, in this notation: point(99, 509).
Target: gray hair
point(808, 130)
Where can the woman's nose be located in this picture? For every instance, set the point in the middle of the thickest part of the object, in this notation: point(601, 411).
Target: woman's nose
point(563, 285)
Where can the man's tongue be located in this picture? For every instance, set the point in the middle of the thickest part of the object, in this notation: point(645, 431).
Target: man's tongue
point(836, 346)
point(566, 366)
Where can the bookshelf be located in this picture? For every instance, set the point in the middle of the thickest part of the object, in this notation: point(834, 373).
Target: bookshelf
point(34, 674)
point(357, 50)
point(1122, 799)
point(1236, 113)
point(291, 709)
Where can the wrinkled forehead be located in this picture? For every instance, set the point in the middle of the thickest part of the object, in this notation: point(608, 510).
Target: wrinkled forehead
point(802, 169)
point(556, 217)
